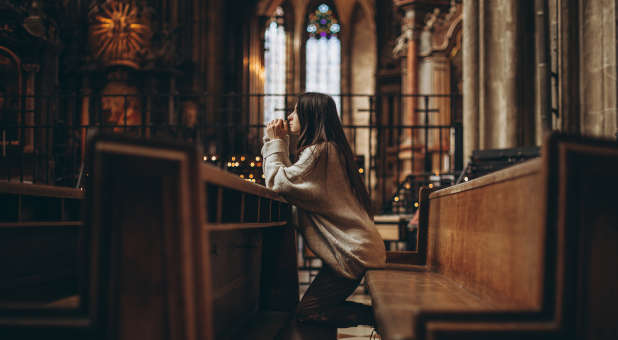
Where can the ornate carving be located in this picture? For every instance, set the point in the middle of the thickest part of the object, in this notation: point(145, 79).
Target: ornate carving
point(401, 43)
point(119, 32)
point(444, 27)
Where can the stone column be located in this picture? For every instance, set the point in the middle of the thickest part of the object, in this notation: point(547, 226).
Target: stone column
point(470, 78)
point(409, 79)
point(498, 75)
point(598, 68)
point(440, 141)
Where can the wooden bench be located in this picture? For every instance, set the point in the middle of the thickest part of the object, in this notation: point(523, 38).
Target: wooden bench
point(528, 252)
point(189, 250)
point(176, 249)
point(40, 234)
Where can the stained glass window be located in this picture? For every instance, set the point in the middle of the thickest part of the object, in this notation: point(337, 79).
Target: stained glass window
point(274, 67)
point(323, 54)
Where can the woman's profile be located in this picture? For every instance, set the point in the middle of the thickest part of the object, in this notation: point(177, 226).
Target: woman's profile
point(334, 209)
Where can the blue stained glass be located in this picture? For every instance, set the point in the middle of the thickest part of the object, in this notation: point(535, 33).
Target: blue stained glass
point(323, 54)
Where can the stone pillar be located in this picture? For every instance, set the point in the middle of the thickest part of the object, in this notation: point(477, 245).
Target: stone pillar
point(440, 141)
point(470, 78)
point(498, 75)
point(411, 80)
point(598, 68)
point(410, 76)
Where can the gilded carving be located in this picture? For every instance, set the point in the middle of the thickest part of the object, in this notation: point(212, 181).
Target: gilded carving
point(119, 33)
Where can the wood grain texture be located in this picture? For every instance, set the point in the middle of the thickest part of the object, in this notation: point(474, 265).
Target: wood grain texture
point(185, 257)
point(40, 190)
point(490, 238)
point(536, 244)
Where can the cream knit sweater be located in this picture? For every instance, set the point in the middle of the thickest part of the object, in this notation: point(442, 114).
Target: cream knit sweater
point(332, 221)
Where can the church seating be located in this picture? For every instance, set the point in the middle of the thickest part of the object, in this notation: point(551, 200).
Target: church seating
point(183, 248)
point(40, 234)
point(530, 252)
point(174, 249)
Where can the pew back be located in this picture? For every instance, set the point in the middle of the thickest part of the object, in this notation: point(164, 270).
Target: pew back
point(529, 251)
point(486, 234)
point(183, 250)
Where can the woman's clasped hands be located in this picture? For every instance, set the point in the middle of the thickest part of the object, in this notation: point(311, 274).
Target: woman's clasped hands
point(277, 128)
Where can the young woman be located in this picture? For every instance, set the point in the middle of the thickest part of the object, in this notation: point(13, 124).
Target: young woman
point(334, 210)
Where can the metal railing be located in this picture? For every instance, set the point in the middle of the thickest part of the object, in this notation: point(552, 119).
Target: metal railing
point(43, 139)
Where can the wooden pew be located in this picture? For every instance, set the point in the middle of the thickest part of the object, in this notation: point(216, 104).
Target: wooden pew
point(40, 233)
point(528, 252)
point(184, 250)
point(175, 249)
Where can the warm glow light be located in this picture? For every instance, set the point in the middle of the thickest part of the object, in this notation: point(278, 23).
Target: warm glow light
point(361, 170)
point(466, 179)
point(242, 158)
point(233, 158)
point(396, 199)
point(117, 33)
point(257, 158)
point(430, 185)
point(205, 158)
point(250, 175)
point(236, 164)
point(213, 158)
point(416, 204)
point(252, 164)
point(242, 176)
point(263, 176)
point(407, 185)
point(229, 164)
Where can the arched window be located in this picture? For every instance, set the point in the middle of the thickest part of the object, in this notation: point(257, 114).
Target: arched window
point(323, 54)
point(274, 67)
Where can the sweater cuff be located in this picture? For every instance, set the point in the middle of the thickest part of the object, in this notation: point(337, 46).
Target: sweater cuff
point(272, 146)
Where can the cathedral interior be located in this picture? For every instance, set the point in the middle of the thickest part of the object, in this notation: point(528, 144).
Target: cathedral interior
point(436, 97)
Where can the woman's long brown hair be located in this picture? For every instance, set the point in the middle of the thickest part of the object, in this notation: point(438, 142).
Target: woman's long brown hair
point(319, 124)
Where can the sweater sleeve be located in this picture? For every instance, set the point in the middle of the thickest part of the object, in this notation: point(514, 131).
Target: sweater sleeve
point(299, 182)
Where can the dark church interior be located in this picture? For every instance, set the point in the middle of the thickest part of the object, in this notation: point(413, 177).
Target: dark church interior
point(134, 189)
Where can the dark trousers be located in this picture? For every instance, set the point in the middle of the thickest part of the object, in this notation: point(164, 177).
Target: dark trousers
point(325, 302)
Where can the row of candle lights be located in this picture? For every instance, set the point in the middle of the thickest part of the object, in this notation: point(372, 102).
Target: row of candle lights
point(236, 162)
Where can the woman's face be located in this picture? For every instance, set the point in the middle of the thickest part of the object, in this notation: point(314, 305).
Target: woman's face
point(294, 123)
